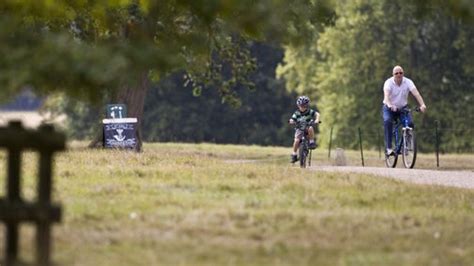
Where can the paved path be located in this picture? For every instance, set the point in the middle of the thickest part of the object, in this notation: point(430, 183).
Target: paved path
point(461, 179)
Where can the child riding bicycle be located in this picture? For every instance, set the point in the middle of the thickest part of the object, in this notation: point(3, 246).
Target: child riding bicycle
point(307, 114)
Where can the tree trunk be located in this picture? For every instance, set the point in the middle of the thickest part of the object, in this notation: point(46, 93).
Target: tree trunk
point(134, 98)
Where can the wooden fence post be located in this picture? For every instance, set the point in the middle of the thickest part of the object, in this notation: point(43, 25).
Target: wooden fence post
point(330, 142)
point(360, 144)
point(437, 142)
point(14, 210)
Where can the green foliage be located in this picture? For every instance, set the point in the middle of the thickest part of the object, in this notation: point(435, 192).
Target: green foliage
point(230, 66)
point(460, 9)
point(338, 52)
point(172, 113)
point(86, 47)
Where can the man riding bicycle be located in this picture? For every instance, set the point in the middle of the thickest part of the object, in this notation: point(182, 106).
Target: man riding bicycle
point(395, 100)
point(307, 114)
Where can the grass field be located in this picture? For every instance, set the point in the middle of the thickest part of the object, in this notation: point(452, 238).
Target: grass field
point(204, 204)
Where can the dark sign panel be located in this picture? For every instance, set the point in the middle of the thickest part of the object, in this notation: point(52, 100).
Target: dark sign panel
point(120, 133)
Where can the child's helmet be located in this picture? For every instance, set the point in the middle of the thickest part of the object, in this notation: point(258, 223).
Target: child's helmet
point(302, 101)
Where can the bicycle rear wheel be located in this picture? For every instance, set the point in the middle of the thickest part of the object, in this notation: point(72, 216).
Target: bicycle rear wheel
point(409, 149)
point(391, 159)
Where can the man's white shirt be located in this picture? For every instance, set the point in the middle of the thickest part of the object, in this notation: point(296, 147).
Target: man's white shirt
point(398, 95)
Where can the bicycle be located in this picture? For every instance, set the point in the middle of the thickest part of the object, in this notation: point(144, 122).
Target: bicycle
point(403, 140)
point(304, 152)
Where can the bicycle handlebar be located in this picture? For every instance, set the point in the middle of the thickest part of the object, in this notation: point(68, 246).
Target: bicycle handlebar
point(303, 124)
point(407, 109)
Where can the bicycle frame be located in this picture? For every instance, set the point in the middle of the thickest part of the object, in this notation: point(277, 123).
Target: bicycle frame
point(303, 149)
point(404, 141)
point(396, 135)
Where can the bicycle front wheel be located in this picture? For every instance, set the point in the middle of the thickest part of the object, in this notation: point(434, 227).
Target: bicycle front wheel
point(303, 156)
point(409, 149)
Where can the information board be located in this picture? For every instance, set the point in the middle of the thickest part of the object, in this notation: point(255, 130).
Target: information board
point(120, 133)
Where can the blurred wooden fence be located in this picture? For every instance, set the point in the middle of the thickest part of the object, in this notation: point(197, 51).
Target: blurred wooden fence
point(14, 210)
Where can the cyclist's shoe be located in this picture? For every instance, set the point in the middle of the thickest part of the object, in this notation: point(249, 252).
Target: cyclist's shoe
point(294, 158)
point(389, 152)
point(312, 145)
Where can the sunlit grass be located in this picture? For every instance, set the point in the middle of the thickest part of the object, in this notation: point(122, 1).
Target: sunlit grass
point(205, 204)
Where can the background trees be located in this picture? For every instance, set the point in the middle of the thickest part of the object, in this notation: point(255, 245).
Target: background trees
point(107, 49)
point(337, 52)
point(353, 57)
